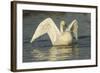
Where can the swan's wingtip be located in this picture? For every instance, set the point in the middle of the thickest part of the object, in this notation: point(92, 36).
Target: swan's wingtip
point(75, 20)
point(31, 41)
point(49, 18)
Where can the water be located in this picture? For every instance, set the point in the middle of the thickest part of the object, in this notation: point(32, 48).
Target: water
point(47, 52)
point(42, 49)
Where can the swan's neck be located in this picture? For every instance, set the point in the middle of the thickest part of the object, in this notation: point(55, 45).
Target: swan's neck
point(62, 23)
point(61, 28)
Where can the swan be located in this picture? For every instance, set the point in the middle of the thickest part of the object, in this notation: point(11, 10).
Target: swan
point(57, 37)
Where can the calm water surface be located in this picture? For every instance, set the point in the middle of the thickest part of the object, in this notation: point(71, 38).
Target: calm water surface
point(78, 51)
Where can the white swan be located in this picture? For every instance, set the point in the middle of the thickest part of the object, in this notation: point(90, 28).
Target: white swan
point(57, 37)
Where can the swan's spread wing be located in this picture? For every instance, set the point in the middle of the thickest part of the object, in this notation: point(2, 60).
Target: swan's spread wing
point(73, 27)
point(46, 26)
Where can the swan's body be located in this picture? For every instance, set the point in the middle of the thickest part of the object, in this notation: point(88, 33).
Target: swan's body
point(57, 37)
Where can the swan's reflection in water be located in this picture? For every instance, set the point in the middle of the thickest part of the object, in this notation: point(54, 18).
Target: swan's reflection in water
point(55, 53)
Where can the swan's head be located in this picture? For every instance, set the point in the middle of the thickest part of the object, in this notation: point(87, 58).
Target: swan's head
point(62, 23)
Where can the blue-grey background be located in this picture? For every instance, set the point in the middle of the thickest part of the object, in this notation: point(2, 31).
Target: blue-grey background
point(42, 50)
